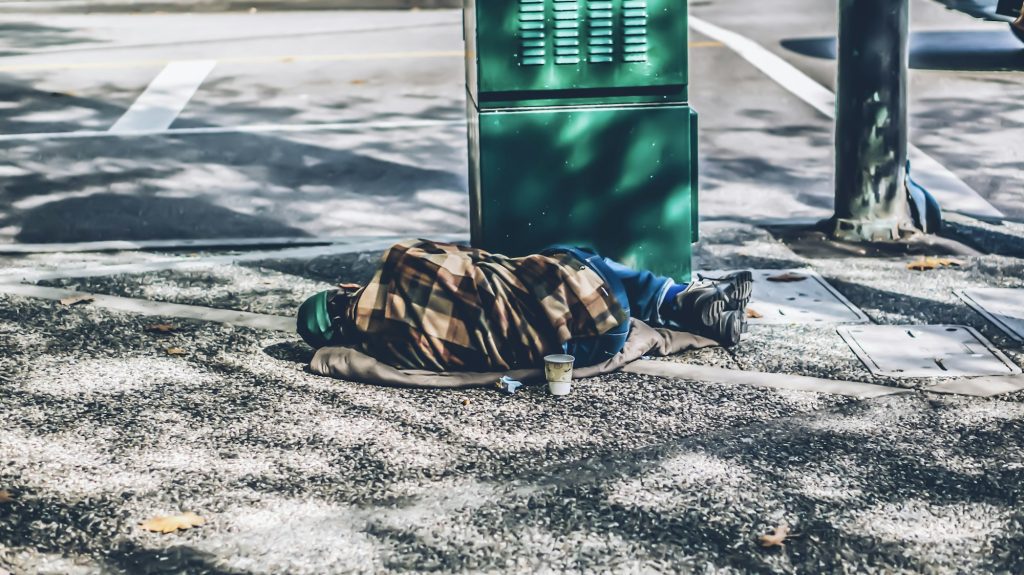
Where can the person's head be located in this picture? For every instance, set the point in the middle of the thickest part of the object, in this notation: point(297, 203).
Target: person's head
point(320, 318)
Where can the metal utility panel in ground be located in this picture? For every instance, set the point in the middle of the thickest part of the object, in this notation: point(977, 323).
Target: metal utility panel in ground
point(798, 296)
point(1004, 307)
point(926, 351)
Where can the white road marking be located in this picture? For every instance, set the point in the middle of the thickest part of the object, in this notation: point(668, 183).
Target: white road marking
point(782, 72)
point(154, 308)
point(354, 127)
point(951, 192)
point(165, 97)
point(178, 263)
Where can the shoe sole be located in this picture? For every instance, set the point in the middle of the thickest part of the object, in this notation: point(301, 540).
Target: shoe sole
point(737, 326)
point(743, 283)
point(740, 287)
point(711, 311)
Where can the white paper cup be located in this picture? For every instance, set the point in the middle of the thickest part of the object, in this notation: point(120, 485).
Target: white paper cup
point(559, 387)
point(558, 371)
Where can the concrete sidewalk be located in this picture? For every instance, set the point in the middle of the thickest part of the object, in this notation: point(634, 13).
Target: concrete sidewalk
point(301, 474)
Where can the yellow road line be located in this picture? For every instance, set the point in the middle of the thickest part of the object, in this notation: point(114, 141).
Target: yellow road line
point(246, 60)
point(706, 44)
point(367, 57)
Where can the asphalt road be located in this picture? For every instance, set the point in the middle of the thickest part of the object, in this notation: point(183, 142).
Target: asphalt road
point(965, 109)
point(393, 78)
point(389, 86)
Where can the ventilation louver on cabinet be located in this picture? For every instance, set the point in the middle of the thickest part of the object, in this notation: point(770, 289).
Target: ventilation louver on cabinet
point(567, 32)
point(609, 32)
point(533, 48)
point(634, 27)
point(601, 43)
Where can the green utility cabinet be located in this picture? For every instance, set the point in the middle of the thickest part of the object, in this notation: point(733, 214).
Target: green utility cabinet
point(579, 129)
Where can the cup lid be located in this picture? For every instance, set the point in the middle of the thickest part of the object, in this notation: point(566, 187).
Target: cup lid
point(559, 358)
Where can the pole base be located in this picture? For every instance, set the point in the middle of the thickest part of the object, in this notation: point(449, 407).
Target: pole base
point(867, 230)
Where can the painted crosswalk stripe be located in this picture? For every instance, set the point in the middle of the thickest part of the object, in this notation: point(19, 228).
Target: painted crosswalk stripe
point(165, 97)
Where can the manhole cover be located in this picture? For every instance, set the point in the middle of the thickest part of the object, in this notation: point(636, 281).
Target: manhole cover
point(805, 298)
point(926, 351)
point(1001, 306)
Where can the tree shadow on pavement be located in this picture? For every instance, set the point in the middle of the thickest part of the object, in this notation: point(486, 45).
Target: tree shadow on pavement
point(854, 484)
point(346, 268)
point(831, 476)
point(294, 185)
point(292, 351)
point(109, 216)
point(633, 472)
point(987, 238)
point(18, 38)
point(83, 524)
point(763, 172)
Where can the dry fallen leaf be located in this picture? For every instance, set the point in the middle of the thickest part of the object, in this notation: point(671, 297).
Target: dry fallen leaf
point(787, 277)
point(175, 351)
point(465, 402)
point(777, 538)
point(753, 313)
point(161, 327)
point(172, 523)
point(76, 299)
point(6, 496)
point(925, 264)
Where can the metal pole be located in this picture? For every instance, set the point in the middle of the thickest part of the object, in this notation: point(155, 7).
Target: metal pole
point(871, 120)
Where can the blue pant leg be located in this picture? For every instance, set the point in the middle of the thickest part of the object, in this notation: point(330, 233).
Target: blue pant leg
point(645, 291)
point(596, 349)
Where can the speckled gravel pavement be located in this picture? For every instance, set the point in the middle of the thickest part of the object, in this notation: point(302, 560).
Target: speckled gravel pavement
point(102, 429)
